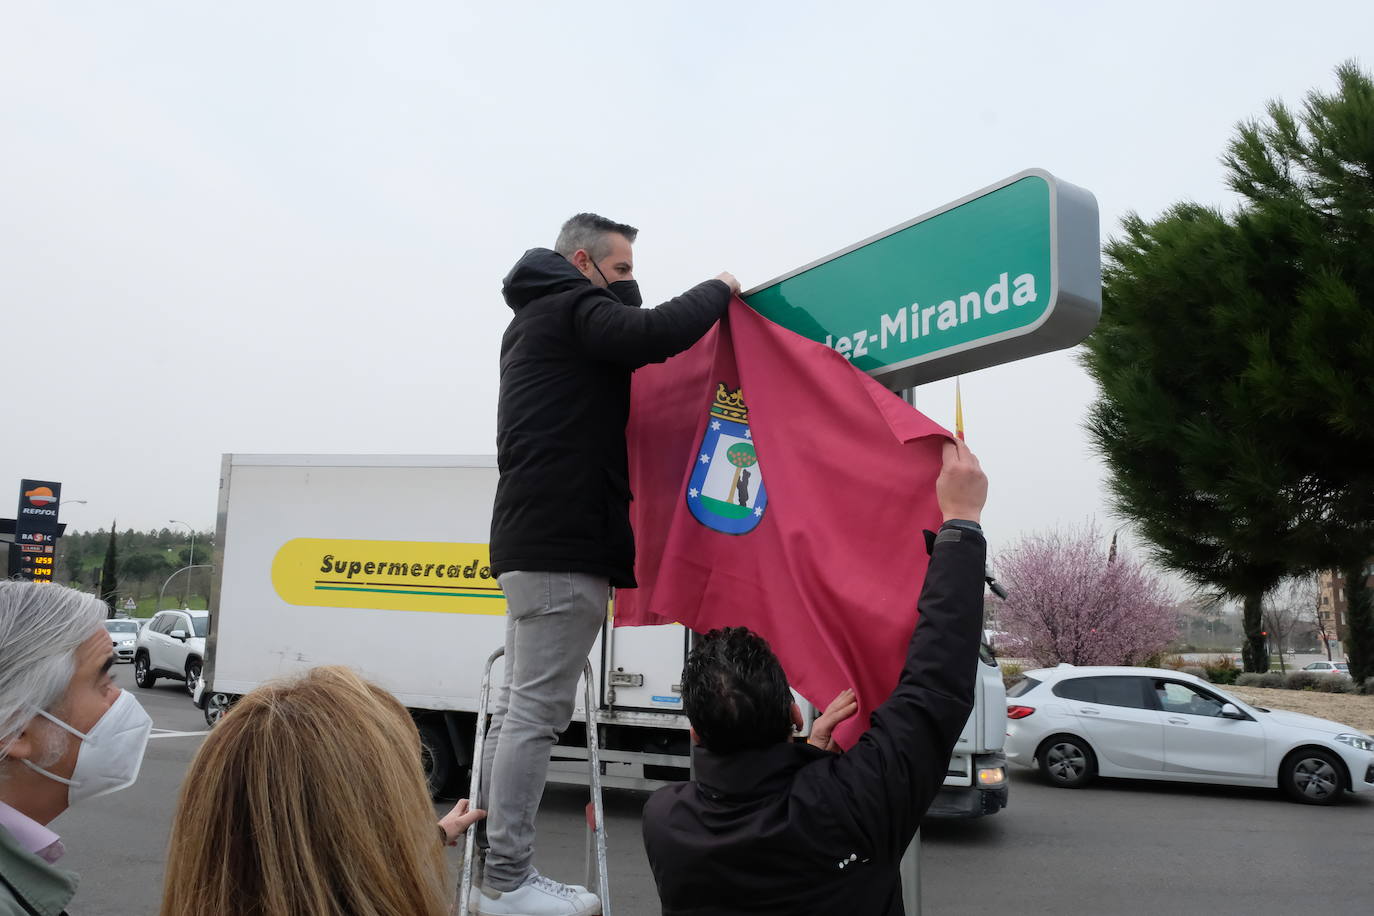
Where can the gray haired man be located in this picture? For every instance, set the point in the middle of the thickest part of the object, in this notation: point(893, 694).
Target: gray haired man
point(67, 733)
point(560, 530)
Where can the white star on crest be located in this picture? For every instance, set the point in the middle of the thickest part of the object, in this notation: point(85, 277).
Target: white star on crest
point(758, 512)
point(715, 424)
point(694, 492)
point(748, 434)
point(705, 458)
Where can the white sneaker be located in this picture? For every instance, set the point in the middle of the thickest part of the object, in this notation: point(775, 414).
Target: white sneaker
point(538, 896)
point(476, 896)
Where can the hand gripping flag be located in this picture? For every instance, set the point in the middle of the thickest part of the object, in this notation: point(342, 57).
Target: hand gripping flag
point(778, 487)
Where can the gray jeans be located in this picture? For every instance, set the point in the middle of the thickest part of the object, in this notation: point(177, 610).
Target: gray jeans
point(552, 621)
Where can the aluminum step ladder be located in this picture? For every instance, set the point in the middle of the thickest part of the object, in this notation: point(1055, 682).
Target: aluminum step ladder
point(596, 821)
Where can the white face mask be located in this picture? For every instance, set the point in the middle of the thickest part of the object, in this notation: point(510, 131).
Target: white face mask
point(111, 752)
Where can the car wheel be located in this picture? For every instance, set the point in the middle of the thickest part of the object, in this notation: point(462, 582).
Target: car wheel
point(216, 705)
point(192, 675)
point(143, 675)
point(1312, 776)
point(1066, 761)
point(436, 758)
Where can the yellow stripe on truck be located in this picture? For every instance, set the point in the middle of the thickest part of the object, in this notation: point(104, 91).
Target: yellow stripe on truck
point(387, 575)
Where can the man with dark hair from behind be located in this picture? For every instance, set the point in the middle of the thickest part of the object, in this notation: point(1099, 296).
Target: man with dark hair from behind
point(772, 826)
point(560, 526)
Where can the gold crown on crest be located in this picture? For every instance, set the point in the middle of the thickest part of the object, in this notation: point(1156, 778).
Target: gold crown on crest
point(729, 405)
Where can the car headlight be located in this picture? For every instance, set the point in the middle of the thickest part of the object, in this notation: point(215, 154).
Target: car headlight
point(127, 642)
point(991, 776)
point(1359, 742)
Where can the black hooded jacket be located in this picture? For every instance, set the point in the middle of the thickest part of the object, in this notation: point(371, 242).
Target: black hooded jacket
point(563, 499)
point(792, 830)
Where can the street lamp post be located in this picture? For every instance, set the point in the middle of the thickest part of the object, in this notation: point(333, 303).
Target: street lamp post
point(185, 569)
point(186, 596)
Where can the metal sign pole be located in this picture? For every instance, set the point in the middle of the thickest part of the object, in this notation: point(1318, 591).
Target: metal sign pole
point(910, 870)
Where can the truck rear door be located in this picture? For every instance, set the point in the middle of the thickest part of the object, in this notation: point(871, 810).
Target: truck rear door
point(643, 667)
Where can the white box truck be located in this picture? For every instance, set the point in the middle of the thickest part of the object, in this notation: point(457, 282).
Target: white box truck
point(380, 563)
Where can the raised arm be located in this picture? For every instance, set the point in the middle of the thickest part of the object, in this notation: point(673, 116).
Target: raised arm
point(616, 333)
point(891, 775)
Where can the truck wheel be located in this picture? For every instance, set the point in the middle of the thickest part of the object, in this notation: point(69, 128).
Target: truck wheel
point(1312, 776)
point(216, 705)
point(1067, 761)
point(192, 675)
point(436, 758)
point(143, 675)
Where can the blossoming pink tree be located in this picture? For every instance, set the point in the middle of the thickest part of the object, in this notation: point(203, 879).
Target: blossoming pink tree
point(1069, 602)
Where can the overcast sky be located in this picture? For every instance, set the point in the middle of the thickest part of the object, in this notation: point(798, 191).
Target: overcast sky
point(281, 227)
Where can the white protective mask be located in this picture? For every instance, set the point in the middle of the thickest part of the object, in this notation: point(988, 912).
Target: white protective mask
point(111, 752)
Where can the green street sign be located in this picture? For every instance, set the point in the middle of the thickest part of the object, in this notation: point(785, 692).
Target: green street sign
point(1007, 272)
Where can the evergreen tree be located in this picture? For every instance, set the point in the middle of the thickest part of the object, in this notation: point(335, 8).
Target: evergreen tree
point(1309, 177)
point(1175, 420)
point(109, 576)
point(1235, 360)
point(71, 560)
point(1359, 615)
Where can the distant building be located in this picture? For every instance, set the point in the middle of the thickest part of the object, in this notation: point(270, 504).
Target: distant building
point(1331, 601)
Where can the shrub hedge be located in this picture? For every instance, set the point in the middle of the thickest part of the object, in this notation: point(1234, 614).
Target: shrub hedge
point(1011, 673)
point(1330, 683)
point(1303, 680)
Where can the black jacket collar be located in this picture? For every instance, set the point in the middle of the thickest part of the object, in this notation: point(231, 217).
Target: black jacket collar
point(749, 774)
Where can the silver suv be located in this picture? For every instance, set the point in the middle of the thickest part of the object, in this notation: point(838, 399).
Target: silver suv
point(172, 645)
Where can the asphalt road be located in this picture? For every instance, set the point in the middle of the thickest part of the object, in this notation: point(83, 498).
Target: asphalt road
point(1114, 848)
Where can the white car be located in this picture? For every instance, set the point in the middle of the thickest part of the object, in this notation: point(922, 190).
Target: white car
point(172, 644)
point(1153, 723)
point(1329, 668)
point(123, 634)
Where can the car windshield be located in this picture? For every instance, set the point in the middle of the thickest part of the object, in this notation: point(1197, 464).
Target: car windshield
point(1342, 666)
point(121, 626)
point(202, 625)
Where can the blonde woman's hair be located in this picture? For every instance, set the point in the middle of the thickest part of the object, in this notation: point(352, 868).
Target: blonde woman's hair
point(307, 799)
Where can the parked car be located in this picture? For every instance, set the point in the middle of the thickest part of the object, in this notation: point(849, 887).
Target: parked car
point(123, 635)
point(1328, 668)
point(172, 645)
point(1076, 723)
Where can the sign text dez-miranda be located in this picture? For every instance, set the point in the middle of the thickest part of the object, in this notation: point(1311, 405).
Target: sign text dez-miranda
point(916, 321)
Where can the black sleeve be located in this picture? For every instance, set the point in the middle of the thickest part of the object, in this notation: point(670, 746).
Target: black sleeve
point(889, 778)
point(616, 333)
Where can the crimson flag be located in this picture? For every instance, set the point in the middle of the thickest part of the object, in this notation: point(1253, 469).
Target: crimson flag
point(778, 487)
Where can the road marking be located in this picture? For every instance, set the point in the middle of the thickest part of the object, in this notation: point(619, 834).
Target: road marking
point(163, 733)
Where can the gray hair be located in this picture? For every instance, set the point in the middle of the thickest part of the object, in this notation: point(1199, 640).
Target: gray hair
point(588, 232)
point(41, 627)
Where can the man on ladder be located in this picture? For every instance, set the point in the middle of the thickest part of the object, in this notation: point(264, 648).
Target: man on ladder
point(560, 531)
